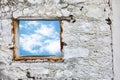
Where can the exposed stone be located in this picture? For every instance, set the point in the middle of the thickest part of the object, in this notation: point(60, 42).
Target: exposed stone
point(6, 8)
point(63, 5)
point(41, 71)
point(105, 39)
point(77, 52)
point(73, 2)
point(4, 1)
point(17, 14)
point(104, 27)
point(65, 12)
point(35, 1)
point(21, 0)
point(28, 11)
point(93, 12)
point(64, 73)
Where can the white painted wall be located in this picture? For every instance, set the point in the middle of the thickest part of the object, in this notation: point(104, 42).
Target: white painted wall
point(87, 55)
point(116, 38)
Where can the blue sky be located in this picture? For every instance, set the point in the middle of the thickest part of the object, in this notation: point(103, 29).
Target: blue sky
point(39, 37)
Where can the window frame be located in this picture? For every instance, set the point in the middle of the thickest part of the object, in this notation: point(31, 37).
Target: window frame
point(16, 52)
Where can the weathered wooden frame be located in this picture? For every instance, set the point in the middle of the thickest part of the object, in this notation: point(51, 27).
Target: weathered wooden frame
point(16, 57)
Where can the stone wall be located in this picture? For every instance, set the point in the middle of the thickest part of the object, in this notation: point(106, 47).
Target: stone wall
point(88, 50)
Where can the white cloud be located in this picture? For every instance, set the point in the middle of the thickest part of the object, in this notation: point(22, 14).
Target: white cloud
point(29, 41)
point(53, 46)
point(47, 30)
point(21, 26)
point(35, 23)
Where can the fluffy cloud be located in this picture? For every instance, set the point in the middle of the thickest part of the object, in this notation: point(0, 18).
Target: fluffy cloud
point(27, 42)
point(53, 46)
point(47, 30)
point(44, 39)
point(21, 26)
point(25, 24)
point(35, 23)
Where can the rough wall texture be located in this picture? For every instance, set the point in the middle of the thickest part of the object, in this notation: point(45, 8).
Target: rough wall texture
point(88, 53)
